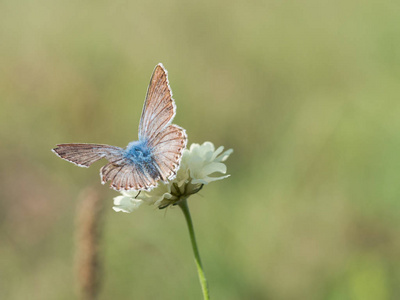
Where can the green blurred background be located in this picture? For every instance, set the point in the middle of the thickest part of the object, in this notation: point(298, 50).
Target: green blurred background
point(306, 93)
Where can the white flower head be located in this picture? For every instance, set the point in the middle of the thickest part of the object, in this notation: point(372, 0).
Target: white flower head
point(199, 166)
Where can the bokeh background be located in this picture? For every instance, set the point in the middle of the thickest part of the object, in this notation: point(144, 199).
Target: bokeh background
point(306, 93)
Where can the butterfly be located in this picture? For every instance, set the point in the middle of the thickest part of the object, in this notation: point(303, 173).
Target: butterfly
point(155, 156)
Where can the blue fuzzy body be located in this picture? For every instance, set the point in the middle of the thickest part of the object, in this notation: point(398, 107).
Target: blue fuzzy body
point(139, 154)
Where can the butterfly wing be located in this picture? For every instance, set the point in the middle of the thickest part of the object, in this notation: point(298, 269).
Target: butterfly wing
point(159, 108)
point(128, 176)
point(166, 141)
point(167, 148)
point(83, 155)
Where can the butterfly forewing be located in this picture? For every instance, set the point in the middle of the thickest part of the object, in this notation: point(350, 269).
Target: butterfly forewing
point(159, 107)
point(83, 155)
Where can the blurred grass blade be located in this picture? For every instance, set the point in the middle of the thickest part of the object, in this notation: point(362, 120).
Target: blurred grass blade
point(88, 234)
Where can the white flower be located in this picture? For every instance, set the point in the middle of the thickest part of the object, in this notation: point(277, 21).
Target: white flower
point(204, 160)
point(198, 167)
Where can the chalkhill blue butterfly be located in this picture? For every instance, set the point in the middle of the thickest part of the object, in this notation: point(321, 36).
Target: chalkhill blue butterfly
point(155, 156)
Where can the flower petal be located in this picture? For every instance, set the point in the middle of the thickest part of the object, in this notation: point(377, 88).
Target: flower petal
point(224, 156)
point(207, 179)
point(213, 167)
point(130, 193)
point(126, 204)
point(217, 152)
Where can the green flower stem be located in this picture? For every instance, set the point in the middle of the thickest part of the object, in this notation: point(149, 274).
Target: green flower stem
point(203, 281)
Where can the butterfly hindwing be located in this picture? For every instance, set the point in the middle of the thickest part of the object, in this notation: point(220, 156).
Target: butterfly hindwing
point(127, 175)
point(167, 148)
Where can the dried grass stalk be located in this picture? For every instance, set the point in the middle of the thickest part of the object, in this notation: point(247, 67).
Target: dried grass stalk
point(88, 233)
